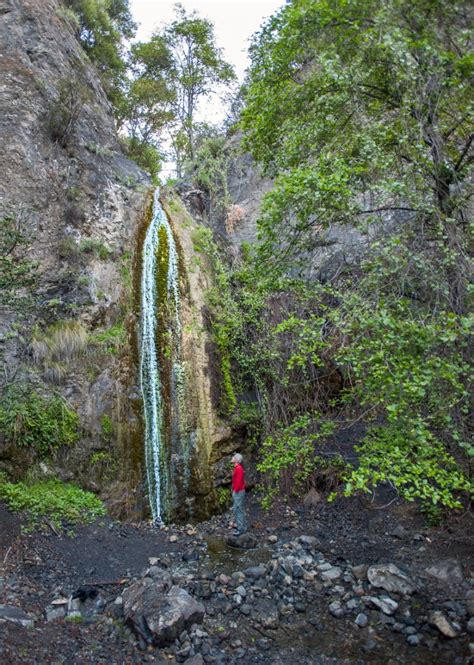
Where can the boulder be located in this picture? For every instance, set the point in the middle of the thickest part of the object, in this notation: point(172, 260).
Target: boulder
point(158, 614)
point(390, 578)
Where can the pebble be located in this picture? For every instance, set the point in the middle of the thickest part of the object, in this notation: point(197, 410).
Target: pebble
point(361, 620)
point(336, 609)
point(413, 640)
point(331, 574)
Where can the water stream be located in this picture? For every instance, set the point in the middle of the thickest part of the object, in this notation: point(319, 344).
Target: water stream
point(160, 325)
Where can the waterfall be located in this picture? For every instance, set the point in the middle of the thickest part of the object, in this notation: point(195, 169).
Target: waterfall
point(160, 323)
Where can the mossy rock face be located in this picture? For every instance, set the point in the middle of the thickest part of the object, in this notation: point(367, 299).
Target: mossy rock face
point(190, 414)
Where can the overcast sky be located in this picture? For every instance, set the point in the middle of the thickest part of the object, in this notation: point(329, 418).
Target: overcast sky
point(235, 21)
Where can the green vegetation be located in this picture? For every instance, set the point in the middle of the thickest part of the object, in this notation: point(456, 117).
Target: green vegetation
point(107, 426)
point(170, 74)
point(65, 109)
point(102, 27)
point(52, 500)
point(112, 340)
point(95, 246)
point(17, 271)
point(361, 112)
point(223, 497)
point(41, 424)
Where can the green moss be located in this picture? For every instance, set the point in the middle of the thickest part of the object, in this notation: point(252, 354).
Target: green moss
point(162, 261)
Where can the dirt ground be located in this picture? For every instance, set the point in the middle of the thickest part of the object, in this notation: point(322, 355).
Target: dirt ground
point(38, 567)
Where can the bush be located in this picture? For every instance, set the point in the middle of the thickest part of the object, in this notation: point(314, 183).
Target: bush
point(42, 424)
point(52, 499)
point(64, 111)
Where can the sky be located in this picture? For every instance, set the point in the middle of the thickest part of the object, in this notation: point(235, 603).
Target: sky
point(235, 21)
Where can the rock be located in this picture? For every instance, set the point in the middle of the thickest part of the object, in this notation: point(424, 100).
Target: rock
point(15, 615)
point(445, 627)
point(331, 574)
point(470, 626)
point(361, 620)
point(336, 609)
point(272, 539)
point(470, 602)
point(312, 499)
point(245, 541)
point(390, 578)
point(191, 555)
point(267, 613)
point(360, 572)
point(53, 613)
point(157, 615)
point(255, 572)
point(413, 640)
point(448, 571)
point(309, 541)
point(399, 532)
point(173, 538)
point(384, 603)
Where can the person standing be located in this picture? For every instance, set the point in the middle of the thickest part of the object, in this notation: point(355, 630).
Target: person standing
point(238, 494)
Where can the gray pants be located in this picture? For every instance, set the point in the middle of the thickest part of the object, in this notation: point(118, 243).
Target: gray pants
point(239, 511)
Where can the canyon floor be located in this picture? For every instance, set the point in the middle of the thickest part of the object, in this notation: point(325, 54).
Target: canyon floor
point(316, 588)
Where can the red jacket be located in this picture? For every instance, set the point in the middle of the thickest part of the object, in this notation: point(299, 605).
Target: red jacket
point(238, 480)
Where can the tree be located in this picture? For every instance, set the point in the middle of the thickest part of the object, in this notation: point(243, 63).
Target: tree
point(197, 69)
point(103, 26)
point(363, 114)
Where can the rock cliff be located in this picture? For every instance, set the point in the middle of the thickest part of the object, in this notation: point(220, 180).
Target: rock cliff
point(77, 202)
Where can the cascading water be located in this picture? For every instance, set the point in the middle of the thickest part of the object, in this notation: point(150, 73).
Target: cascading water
point(161, 371)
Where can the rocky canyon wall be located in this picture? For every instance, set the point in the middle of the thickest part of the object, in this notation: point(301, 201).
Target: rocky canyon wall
point(77, 202)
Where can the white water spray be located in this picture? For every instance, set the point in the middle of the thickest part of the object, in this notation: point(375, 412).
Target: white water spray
point(150, 380)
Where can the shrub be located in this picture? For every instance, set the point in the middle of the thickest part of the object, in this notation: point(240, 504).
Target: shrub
point(65, 110)
point(52, 499)
point(42, 424)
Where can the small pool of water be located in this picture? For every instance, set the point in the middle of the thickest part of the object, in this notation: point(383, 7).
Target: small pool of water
point(225, 559)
